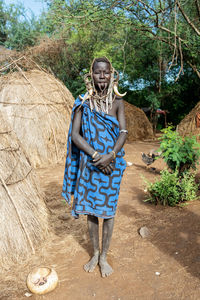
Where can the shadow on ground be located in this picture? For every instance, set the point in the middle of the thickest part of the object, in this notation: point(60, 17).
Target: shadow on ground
point(174, 231)
point(62, 223)
point(147, 170)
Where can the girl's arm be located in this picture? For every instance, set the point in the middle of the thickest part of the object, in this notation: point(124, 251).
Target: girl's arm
point(77, 139)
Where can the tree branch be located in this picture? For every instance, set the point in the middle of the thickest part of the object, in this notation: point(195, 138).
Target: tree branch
point(171, 32)
point(187, 19)
point(175, 44)
point(198, 7)
point(156, 37)
point(147, 6)
point(194, 69)
point(181, 57)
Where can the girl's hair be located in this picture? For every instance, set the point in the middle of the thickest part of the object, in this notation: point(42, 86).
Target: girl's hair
point(100, 59)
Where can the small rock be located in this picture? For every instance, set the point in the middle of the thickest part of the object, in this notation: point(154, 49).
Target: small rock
point(144, 232)
point(28, 294)
point(176, 253)
point(157, 273)
point(129, 164)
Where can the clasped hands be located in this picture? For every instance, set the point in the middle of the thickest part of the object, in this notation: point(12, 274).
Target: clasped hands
point(104, 162)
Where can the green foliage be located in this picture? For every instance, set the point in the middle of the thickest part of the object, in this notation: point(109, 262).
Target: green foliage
point(171, 189)
point(179, 153)
point(153, 101)
point(3, 18)
point(126, 33)
point(16, 30)
point(178, 98)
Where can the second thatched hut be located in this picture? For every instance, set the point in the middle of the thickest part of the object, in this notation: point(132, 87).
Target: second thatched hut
point(190, 125)
point(138, 125)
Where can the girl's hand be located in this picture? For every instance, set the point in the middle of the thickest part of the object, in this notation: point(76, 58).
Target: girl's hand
point(108, 170)
point(102, 161)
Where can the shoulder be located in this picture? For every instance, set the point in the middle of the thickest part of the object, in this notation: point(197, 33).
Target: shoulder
point(117, 98)
point(77, 101)
point(119, 102)
point(77, 105)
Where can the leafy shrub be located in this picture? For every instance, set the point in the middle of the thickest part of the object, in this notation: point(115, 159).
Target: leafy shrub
point(179, 153)
point(172, 189)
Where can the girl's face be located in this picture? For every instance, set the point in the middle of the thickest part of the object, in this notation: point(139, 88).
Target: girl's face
point(101, 75)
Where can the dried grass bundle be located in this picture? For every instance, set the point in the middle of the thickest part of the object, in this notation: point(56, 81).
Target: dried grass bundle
point(46, 47)
point(138, 125)
point(38, 107)
point(188, 125)
point(45, 54)
point(24, 218)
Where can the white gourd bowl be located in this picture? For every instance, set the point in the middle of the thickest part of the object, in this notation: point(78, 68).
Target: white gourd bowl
point(47, 277)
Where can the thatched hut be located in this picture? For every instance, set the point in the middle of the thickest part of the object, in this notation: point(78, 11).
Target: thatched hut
point(24, 218)
point(190, 125)
point(38, 108)
point(138, 125)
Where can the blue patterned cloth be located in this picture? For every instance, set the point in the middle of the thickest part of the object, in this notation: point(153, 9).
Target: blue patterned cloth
point(94, 192)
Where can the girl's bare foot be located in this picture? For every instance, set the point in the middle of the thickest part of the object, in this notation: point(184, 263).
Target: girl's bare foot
point(106, 269)
point(91, 265)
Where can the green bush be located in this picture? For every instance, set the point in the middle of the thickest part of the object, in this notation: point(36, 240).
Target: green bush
point(179, 153)
point(172, 189)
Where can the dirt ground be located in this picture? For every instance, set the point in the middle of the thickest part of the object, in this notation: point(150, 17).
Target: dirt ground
point(172, 249)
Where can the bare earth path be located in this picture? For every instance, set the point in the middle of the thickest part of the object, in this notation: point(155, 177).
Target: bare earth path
point(173, 248)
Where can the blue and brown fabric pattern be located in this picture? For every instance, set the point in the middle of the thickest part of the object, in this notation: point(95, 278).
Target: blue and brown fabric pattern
point(94, 192)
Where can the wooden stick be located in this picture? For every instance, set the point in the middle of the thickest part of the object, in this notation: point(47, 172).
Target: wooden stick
point(19, 179)
point(5, 132)
point(13, 61)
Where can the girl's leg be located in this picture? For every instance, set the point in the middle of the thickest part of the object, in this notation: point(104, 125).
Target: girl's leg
point(93, 227)
point(108, 225)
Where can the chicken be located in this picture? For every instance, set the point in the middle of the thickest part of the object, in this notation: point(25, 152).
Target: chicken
point(149, 158)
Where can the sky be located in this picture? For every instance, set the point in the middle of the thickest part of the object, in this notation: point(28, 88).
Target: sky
point(37, 6)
